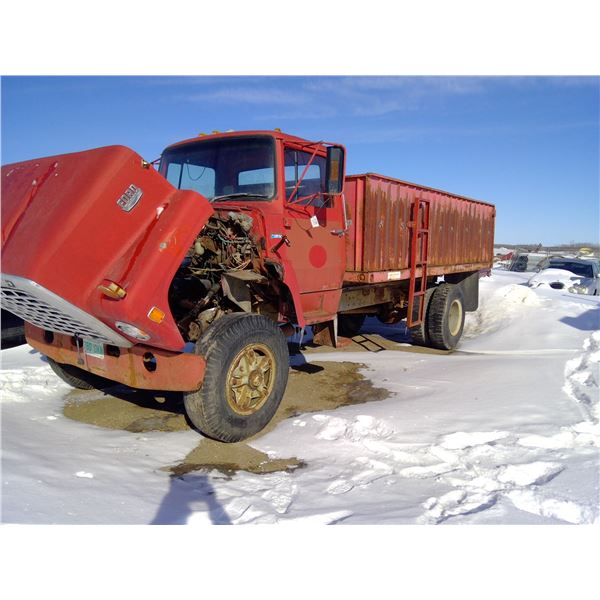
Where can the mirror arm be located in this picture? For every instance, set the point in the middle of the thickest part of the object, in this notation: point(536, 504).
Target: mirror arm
point(347, 222)
point(303, 174)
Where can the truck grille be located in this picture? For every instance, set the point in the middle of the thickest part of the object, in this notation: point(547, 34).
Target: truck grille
point(43, 308)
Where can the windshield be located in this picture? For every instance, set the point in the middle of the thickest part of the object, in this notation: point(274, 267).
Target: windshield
point(576, 268)
point(223, 169)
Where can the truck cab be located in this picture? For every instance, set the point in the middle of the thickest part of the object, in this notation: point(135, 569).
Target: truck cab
point(292, 191)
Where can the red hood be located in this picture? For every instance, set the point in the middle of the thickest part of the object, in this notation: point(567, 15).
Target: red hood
point(63, 227)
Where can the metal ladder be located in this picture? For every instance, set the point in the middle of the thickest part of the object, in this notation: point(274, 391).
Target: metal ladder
point(419, 249)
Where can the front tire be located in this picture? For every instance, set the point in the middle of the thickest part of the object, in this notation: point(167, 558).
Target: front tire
point(247, 366)
point(446, 317)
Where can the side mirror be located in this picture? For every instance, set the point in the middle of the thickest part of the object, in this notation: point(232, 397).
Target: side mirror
point(334, 171)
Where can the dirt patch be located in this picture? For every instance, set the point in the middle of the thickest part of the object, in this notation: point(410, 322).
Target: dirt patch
point(230, 458)
point(134, 411)
point(318, 386)
point(311, 387)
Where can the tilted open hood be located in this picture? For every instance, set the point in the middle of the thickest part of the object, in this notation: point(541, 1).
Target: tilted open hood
point(75, 221)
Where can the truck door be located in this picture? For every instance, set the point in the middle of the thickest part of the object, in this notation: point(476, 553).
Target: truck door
point(314, 225)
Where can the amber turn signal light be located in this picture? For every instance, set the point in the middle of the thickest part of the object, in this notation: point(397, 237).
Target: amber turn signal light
point(156, 315)
point(112, 290)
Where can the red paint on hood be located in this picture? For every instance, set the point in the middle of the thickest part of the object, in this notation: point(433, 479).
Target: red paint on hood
point(63, 228)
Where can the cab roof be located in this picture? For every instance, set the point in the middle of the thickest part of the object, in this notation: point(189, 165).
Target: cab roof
point(232, 134)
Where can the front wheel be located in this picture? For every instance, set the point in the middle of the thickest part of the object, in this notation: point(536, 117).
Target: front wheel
point(246, 375)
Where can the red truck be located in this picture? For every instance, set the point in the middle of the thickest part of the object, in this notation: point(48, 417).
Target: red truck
point(190, 277)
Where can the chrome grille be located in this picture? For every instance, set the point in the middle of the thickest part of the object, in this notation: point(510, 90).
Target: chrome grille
point(43, 308)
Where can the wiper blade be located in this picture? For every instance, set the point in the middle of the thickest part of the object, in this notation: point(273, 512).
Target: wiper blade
point(238, 195)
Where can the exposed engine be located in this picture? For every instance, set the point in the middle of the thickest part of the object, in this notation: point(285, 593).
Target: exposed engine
point(223, 245)
point(196, 295)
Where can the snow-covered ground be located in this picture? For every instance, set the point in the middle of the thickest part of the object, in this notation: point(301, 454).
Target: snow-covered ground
point(505, 430)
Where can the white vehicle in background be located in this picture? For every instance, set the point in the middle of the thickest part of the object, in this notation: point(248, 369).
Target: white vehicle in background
point(576, 275)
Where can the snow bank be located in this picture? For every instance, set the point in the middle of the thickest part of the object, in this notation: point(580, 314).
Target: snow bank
point(506, 304)
point(514, 318)
point(582, 377)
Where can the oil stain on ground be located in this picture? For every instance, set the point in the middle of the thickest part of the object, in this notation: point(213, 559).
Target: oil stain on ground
point(312, 387)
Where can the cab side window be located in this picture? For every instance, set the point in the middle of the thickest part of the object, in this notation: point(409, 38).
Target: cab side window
point(313, 181)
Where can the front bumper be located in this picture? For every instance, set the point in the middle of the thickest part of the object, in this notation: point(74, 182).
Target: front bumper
point(140, 366)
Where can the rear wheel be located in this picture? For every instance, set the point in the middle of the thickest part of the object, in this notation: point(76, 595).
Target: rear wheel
point(246, 375)
point(419, 333)
point(350, 325)
point(446, 317)
point(77, 378)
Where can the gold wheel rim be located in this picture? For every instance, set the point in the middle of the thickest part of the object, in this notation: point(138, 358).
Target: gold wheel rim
point(455, 317)
point(250, 379)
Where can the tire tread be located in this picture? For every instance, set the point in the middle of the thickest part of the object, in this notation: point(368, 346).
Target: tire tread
point(205, 406)
point(419, 333)
point(437, 329)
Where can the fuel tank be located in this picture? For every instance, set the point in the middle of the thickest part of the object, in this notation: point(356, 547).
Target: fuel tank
point(74, 222)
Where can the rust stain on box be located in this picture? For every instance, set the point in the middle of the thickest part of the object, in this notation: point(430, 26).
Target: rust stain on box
point(461, 229)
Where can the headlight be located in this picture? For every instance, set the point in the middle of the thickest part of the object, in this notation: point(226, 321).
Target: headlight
point(132, 331)
point(578, 288)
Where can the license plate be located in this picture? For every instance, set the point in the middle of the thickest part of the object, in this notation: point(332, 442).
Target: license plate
point(93, 348)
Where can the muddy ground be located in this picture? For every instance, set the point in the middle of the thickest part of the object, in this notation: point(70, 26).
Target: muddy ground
point(312, 387)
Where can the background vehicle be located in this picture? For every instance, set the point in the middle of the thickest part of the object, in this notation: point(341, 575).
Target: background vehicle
point(526, 261)
point(191, 278)
point(579, 276)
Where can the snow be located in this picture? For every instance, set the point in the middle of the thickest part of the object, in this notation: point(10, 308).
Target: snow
point(505, 430)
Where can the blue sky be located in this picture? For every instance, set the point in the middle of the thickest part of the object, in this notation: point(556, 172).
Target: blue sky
point(527, 144)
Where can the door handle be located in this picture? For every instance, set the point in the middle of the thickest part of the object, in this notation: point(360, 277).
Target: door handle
point(284, 240)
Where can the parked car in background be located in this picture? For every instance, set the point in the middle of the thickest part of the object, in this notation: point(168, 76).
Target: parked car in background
point(576, 275)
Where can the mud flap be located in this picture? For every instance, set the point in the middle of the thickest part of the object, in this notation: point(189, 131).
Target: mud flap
point(325, 334)
point(469, 284)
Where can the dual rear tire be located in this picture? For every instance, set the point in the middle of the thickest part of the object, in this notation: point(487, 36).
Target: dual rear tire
point(350, 324)
point(443, 318)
